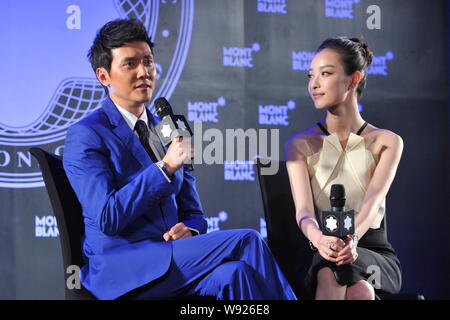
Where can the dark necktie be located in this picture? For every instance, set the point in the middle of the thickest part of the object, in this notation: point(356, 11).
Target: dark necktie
point(143, 133)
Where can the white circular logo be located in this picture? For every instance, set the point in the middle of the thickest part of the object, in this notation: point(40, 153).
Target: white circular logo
point(76, 96)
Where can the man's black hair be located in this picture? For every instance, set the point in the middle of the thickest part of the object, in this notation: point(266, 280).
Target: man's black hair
point(115, 34)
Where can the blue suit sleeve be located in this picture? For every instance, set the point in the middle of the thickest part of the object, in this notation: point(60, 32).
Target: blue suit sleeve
point(189, 205)
point(89, 169)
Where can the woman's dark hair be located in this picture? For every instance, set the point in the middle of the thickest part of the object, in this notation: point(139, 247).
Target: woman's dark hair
point(356, 56)
point(115, 34)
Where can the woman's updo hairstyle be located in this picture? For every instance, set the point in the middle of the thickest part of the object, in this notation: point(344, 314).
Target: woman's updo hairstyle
point(356, 56)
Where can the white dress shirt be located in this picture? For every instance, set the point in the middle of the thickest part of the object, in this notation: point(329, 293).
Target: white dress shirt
point(131, 120)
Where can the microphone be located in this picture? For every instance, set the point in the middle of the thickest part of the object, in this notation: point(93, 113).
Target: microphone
point(338, 222)
point(171, 126)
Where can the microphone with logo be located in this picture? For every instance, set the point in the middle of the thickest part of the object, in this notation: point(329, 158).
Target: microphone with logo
point(338, 221)
point(171, 126)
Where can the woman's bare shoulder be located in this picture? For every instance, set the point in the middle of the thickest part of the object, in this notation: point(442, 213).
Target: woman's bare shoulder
point(304, 143)
point(379, 139)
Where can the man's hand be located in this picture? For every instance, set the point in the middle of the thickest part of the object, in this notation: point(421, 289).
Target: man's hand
point(180, 152)
point(178, 231)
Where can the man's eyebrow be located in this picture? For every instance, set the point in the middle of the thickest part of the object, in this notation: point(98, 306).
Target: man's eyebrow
point(126, 59)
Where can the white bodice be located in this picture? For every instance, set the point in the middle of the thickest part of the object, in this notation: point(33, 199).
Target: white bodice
point(352, 167)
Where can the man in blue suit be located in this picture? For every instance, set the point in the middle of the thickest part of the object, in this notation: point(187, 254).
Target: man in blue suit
point(145, 229)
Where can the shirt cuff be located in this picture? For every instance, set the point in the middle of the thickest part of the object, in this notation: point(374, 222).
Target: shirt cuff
point(160, 165)
point(194, 232)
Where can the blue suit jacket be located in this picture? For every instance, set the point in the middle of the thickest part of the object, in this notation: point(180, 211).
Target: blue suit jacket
point(127, 203)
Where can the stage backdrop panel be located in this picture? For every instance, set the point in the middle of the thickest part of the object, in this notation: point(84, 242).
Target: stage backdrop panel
point(235, 66)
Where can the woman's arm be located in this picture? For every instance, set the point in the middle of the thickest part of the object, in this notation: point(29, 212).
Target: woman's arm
point(390, 154)
point(303, 199)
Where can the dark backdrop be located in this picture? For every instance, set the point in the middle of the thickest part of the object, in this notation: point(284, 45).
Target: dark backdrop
point(47, 85)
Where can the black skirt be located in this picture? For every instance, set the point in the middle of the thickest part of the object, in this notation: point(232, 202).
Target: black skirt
point(377, 263)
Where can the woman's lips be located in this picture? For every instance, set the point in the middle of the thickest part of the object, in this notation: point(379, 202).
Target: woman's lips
point(317, 95)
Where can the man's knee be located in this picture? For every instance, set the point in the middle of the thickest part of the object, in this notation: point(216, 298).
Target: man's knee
point(250, 233)
point(251, 236)
point(229, 271)
point(236, 280)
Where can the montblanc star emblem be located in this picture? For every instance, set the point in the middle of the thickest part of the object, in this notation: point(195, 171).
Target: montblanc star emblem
point(181, 124)
point(347, 223)
point(331, 223)
point(166, 130)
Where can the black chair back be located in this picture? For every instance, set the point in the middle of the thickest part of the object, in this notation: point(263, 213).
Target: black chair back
point(68, 213)
point(286, 241)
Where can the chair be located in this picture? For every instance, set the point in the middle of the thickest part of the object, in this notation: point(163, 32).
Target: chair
point(69, 217)
point(68, 213)
point(286, 241)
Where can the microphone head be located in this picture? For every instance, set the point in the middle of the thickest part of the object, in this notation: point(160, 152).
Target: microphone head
point(337, 196)
point(163, 107)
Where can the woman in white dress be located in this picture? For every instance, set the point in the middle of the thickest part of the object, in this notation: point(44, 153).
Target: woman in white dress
point(344, 149)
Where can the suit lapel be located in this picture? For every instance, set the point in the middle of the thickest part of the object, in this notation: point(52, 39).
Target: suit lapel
point(121, 129)
point(154, 135)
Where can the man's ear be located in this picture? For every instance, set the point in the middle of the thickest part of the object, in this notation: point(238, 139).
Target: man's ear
point(103, 76)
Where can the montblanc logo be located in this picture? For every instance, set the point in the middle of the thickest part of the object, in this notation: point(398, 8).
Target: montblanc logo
point(263, 227)
point(276, 115)
point(272, 6)
point(166, 130)
point(239, 170)
point(342, 9)
point(181, 125)
point(379, 64)
point(347, 223)
point(239, 57)
point(213, 222)
point(205, 111)
point(331, 223)
point(73, 99)
point(74, 92)
point(301, 60)
point(46, 227)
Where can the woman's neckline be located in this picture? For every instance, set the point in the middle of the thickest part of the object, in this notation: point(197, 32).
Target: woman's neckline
point(325, 131)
